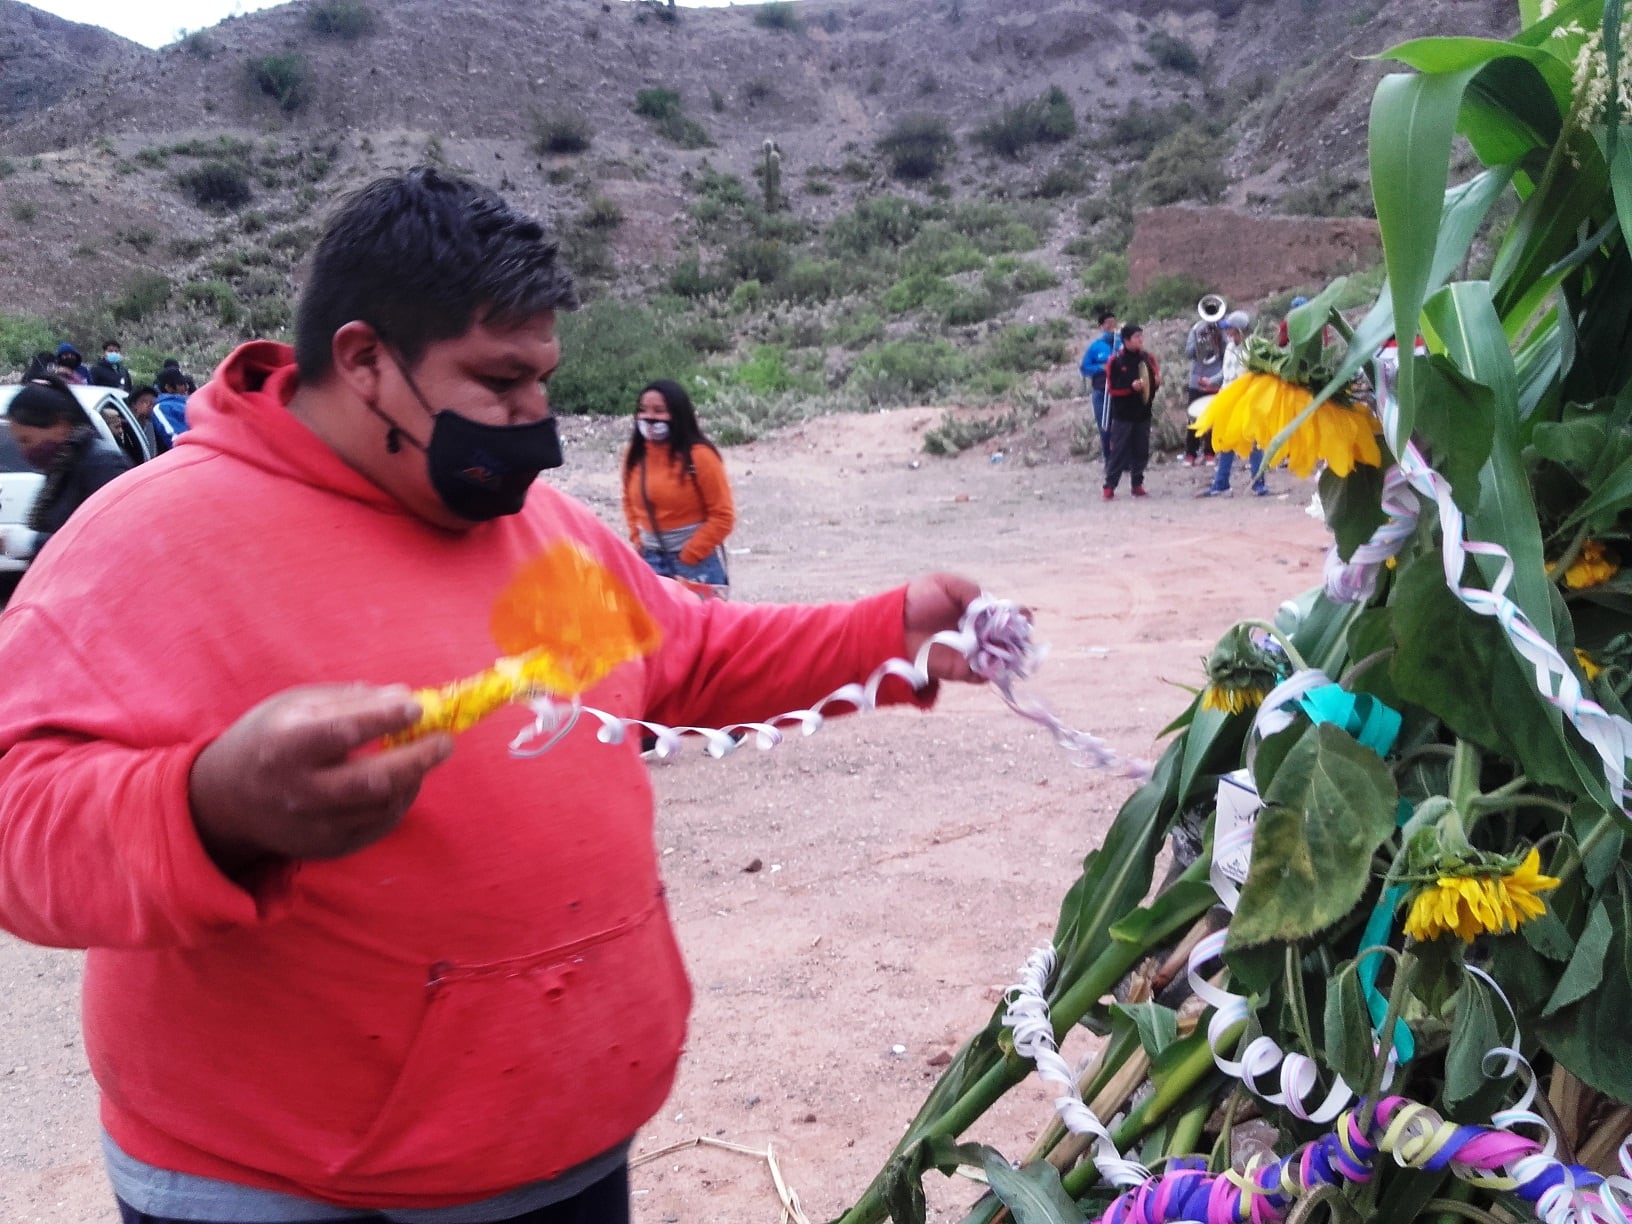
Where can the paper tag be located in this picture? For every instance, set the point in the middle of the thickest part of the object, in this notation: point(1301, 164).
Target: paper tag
point(1238, 805)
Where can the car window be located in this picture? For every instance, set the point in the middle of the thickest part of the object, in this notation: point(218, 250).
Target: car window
point(11, 455)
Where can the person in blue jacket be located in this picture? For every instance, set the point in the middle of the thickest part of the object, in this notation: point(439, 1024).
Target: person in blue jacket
point(1100, 351)
point(170, 410)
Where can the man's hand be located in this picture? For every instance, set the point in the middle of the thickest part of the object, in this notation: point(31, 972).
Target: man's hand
point(936, 602)
point(286, 781)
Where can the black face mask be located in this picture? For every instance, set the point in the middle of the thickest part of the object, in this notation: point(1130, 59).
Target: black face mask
point(480, 472)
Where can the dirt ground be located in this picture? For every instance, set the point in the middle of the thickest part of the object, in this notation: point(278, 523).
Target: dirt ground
point(853, 904)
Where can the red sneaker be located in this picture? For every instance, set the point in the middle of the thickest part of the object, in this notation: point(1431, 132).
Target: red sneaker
point(1139, 490)
point(1107, 494)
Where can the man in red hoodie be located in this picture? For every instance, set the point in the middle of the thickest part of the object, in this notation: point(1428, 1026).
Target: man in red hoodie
point(329, 980)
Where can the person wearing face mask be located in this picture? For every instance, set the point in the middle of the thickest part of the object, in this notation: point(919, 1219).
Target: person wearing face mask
point(676, 498)
point(110, 370)
point(55, 438)
point(331, 976)
point(70, 366)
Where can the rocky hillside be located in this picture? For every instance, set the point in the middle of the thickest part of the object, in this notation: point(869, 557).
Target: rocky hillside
point(170, 194)
point(44, 58)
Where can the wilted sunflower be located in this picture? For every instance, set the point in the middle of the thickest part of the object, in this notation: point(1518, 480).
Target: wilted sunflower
point(1590, 667)
point(1240, 673)
point(1490, 901)
point(1593, 565)
point(1277, 386)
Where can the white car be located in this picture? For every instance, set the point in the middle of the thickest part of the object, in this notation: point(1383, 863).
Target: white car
point(20, 484)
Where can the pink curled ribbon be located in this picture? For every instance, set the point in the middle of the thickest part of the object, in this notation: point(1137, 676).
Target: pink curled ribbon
point(994, 636)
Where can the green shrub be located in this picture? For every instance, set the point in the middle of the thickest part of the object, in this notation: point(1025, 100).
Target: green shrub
point(876, 223)
point(684, 132)
point(778, 15)
point(955, 435)
point(1107, 277)
point(1141, 128)
point(1167, 297)
point(760, 259)
point(809, 279)
point(917, 147)
point(1329, 195)
point(766, 372)
point(1029, 277)
point(899, 370)
point(993, 227)
point(340, 18)
point(1067, 179)
point(25, 212)
point(561, 131)
point(216, 185)
point(918, 290)
point(600, 213)
point(214, 297)
point(1029, 347)
point(1174, 53)
point(855, 331)
point(1185, 166)
point(706, 336)
point(198, 44)
point(269, 317)
point(21, 336)
point(972, 306)
point(726, 190)
point(1080, 247)
point(281, 77)
point(658, 103)
point(613, 350)
point(7, 167)
point(144, 294)
point(690, 279)
point(1047, 119)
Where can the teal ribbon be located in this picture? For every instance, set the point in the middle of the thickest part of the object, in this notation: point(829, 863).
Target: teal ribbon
point(1377, 726)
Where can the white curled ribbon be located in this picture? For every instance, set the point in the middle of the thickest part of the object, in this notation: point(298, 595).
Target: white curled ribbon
point(1026, 1015)
point(1413, 479)
point(994, 637)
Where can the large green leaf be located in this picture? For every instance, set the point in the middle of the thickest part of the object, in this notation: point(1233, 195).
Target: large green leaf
point(1586, 967)
point(1353, 506)
point(1156, 1025)
point(1457, 417)
point(1329, 807)
point(1510, 111)
point(1348, 1030)
point(1413, 119)
point(1033, 1194)
point(1591, 1037)
point(1474, 1033)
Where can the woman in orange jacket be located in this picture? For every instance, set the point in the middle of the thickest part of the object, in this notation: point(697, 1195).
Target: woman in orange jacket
point(676, 498)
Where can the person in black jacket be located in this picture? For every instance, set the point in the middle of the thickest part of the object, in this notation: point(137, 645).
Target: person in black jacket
point(55, 437)
point(1132, 378)
point(110, 369)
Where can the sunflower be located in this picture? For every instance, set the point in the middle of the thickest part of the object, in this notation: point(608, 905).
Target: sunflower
point(1589, 666)
point(1241, 670)
point(1593, 565)
point(1470, 905)
point(1258, 405)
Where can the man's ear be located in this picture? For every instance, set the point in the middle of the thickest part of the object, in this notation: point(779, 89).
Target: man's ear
point(358, 353)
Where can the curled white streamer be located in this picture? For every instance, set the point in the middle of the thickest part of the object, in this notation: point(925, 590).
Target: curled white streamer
point(994, 636)
point(1027, 1016)
point(1610, 735)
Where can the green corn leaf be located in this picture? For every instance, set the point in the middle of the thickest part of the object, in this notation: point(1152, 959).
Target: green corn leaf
point(1586, 968)
point(1033, 1194)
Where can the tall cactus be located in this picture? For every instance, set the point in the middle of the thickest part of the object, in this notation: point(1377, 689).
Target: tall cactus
point(771, 176)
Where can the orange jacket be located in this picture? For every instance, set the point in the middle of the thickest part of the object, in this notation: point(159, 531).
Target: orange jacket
point(679, 500)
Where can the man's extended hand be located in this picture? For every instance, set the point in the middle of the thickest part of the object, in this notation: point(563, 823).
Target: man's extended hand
point(936, 602)
point(286, 780)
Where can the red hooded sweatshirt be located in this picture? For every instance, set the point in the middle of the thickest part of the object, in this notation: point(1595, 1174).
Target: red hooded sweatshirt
point(486, 997)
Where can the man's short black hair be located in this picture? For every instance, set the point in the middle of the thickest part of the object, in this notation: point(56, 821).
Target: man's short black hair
point(172, 378)
point(422, 257)
point(44, 402)
point(1104, 314)
point(1129, 331)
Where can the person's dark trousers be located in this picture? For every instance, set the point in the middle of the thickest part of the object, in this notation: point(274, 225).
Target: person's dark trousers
point(606, 1202)
point(1130, 451)
point(1196, 444)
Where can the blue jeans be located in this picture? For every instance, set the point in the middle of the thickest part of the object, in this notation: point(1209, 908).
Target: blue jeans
point(1226, 461)
point(710, 569)
point(606, 1202)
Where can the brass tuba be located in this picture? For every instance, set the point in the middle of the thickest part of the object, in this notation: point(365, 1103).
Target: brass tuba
point(1212, 308)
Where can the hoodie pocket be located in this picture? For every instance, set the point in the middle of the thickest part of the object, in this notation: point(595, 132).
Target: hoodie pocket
point(523, 1068)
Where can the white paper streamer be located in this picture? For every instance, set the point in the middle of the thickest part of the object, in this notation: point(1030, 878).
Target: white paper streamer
point(1027, 1015)
point(994, 636)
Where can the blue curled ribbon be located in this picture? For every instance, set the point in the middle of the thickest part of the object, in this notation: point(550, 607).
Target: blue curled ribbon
point(1377, 726)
